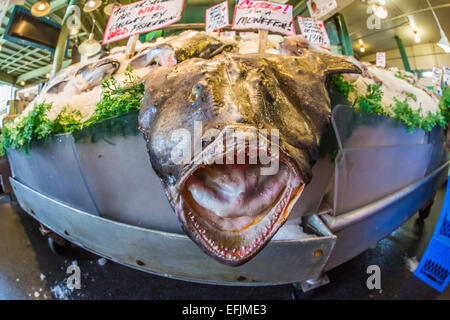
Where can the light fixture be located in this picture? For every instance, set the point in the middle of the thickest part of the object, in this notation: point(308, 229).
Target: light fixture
point(443, 43)
point(47, 75)
point(90, 46)
point(379, 10)
point(22, 83)
point(109, 7)
point(416, 36)
point(40, 8)
point(91, 5)
point(362, 49)
point(74, 31)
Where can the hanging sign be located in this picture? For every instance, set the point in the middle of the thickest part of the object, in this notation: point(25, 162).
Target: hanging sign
point(140, 17)
point(314, 31)
point(320, 8)
point(437, 76)
point(217, 17)
point(381, 59)
point(264, 15)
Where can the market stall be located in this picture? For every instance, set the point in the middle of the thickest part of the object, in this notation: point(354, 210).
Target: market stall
point(159, 154)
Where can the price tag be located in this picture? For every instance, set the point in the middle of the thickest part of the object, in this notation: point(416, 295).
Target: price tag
point(437, 76)
point(320, 8)
point(314, 31)
point(264, 15)
point(216, 17)
point(446, 70)
point(140, 17)
point(381, 59)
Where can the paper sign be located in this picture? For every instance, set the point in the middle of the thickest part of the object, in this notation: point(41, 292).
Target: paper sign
point(314, 30)
point(320, 8)
point(228, 34)
point(216, 17)
point(140, 17)
point(437, 76)
point(381, 59)
point(4, 4)
point(446, 70)
point(264, 15)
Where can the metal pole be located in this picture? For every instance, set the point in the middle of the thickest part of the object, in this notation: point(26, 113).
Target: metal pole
point(344, 36)
point(62, 40)
point(401, 47)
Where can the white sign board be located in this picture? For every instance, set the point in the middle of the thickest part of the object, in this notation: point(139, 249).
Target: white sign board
point(320, 8)
point(4, 4)
point(216, 17)
point(314, 31)
point(228, 34)
point(437, 76)
point(381, 59)
point(270, 16)
point(446, 76)
point(142, 16)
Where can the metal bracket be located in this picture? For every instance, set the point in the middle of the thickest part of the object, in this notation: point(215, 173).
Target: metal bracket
point(313, 283)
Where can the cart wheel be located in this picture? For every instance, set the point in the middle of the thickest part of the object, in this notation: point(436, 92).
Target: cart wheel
point(58, 245)
point(424, 212)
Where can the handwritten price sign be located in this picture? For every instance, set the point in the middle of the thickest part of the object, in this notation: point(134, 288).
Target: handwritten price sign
point(314, 30)
point(264, 15)
point(142, 16)
point(216, 17)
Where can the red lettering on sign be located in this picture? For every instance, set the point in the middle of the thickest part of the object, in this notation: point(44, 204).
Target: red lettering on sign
point(150, 9)
point(117, 33)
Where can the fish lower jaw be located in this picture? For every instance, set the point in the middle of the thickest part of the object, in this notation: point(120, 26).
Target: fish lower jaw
point(264, 229)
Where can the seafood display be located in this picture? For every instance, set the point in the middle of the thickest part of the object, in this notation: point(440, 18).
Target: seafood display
point(232, 134)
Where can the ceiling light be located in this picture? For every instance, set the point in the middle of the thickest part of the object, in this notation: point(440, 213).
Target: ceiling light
point(109, 7)
point(40, 8)
point(416, 36)
point(47, 75)
point(362, 49)
point(380, 10)
point(74, 31)
point(91, 5)
point(89, 47)
point(443, 43)
point(22, 83)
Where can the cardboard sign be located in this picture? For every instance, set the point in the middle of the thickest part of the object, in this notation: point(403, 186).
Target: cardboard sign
point(216, 17)
point(141, 17)
point(437, 76)
point(381, 59)
point(270, 16)
point(320, 8)
point(314, 30)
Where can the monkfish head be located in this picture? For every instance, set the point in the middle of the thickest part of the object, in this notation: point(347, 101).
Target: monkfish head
point(233, 140)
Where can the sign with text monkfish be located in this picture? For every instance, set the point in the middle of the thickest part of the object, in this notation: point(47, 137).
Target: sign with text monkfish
point(270, 16)
point(142, 16)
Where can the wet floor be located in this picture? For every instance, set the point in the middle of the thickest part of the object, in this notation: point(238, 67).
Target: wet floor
point(30, 270)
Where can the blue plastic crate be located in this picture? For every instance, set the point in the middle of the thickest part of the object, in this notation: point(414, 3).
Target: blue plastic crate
point(442, 230)
point(434, 267)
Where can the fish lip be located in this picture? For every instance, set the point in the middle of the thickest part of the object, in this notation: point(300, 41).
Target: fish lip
point(282, 209)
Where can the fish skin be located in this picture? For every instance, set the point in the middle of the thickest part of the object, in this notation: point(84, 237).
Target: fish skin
point(287, 93)
point(187, 45)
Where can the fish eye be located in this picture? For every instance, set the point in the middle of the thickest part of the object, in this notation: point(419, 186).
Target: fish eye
point(195, 92)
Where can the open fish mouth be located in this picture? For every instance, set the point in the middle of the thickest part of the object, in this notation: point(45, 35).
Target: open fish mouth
point(232, 211)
